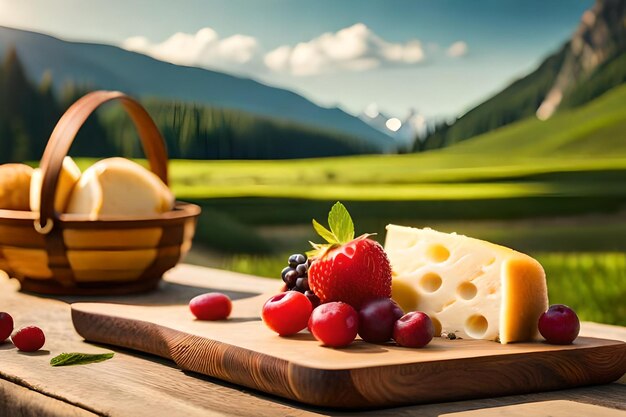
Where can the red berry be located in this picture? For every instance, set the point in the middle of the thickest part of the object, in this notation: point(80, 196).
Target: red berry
point(6, 326)
point(29, 339)
point(414, 330)
point(211, 306)
point(559, 325)
point(287, 313)
point(377, 318)
point(334, 324)
point(354, 273)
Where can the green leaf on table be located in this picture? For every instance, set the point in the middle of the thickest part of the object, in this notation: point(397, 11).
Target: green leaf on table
point(341, 223)
point(67, 359)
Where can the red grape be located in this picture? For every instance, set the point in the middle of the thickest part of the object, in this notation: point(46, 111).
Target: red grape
point(377, 318)
point(29, 339)
point(6, 326)
point(211, 306)
point(287, 313)
point(414, 329)
point(334, 324)
point(559, 325)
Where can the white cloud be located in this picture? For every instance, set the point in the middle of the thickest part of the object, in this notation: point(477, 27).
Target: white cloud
point(355, 48)
point(457, 49)
point(203, 49)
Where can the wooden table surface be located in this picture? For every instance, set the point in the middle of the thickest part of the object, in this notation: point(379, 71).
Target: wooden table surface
point(134, 384)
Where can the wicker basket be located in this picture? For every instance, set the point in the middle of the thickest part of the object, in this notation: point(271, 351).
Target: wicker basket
point(55, 253)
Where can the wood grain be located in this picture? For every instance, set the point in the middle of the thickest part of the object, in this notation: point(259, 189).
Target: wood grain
point(558, 408)
point(138, 385)
point(243, 351)
point(17, 401)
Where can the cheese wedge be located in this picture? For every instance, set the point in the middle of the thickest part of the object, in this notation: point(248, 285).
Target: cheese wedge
point(119, 187)
point(469, 287)
point(70, 173)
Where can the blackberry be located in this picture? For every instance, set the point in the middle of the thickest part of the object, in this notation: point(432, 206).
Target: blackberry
point(285, 271)
point(315, 301)
point(296, 276)
point(302, 284)
point(297, 259)
point(302, 269)
point(291, 278)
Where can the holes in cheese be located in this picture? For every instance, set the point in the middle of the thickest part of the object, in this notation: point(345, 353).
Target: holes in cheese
point(473, 288)
point(437, 253)
point(476, 326)
point(466, 290)
point(436, 325)
point(430, 282)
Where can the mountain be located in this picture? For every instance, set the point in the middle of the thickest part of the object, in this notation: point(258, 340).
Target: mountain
point(110, 67)
point(29, 112)
point(412, 126)
point(600, 37)
point(587, 65)
point(594, 131)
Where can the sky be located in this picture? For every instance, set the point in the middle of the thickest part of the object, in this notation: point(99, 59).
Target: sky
point(436, 57)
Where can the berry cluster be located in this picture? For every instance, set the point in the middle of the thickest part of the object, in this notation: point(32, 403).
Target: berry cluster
point(296, 277)
point(346, 291)
point(336, 324)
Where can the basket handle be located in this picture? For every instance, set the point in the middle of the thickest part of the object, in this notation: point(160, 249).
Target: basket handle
point(63, 136)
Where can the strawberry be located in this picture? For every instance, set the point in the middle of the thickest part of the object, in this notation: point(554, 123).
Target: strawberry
point(347, 269)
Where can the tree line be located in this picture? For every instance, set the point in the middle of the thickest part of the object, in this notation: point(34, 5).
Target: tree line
point(29, 111)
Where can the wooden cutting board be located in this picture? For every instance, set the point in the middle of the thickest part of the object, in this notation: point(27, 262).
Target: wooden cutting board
point(243, 351)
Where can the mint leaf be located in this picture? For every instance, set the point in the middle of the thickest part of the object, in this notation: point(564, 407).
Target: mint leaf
point(324, 232)
point(66, 359)
point(341, 223)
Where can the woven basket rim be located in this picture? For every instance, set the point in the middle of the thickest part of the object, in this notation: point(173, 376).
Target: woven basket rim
point(182, 210)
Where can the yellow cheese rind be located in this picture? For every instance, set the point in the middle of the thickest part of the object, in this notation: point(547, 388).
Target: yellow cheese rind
point(469, 287)
point(524, 280)
point(119, 187)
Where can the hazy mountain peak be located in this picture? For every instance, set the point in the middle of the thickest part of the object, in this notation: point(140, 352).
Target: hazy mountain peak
point(599, 36)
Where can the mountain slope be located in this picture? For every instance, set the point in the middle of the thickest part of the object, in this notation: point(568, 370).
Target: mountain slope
point(608, 75)
point(596, 129)
point(517, 101)
point(589, 64)
point(600, 36)
point(110, 67)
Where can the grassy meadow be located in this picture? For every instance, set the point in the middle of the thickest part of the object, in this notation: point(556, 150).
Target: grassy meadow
point(554, 189)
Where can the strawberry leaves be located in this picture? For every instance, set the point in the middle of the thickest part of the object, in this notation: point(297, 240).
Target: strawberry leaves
point(341, 230)
point(324, 232)
point(341, 223)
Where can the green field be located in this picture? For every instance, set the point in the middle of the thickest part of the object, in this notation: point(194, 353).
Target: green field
point(578, 157)
point(567, 167)
point(554, 189)
point(574, 153)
